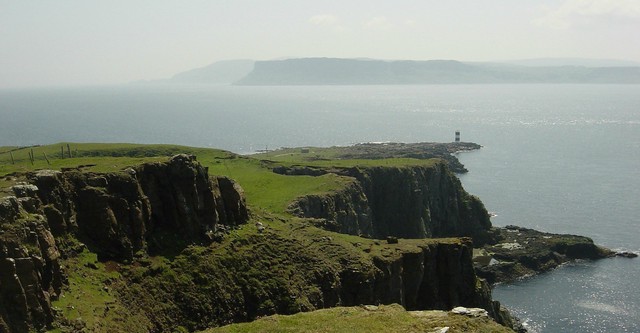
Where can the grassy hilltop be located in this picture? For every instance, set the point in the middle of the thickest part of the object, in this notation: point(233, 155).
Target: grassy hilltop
point(264, 189)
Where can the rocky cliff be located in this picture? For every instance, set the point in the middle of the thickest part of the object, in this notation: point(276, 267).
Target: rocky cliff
point(420, 275)
point(436, 275)
point(152, 207)
point(405, 202)
point(30, 272)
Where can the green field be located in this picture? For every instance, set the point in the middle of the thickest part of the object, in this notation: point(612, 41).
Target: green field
point(331, 157)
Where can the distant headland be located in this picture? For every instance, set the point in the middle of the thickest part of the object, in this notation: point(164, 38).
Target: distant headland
point(338, 71)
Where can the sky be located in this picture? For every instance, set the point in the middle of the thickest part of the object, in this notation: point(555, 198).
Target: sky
point(80, 42)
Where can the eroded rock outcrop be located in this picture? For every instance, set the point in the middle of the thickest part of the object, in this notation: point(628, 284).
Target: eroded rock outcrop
point(30, 273)
point(152, 205)
point(146, 208)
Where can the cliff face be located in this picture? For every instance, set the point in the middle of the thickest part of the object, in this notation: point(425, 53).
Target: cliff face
point(30, 271)
point(438, 275)
point(406, 202)
point(346, 210)
point(118, 214)
point(433, 275)
point(150, 207)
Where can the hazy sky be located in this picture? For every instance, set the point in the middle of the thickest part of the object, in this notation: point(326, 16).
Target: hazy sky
point(77, 42)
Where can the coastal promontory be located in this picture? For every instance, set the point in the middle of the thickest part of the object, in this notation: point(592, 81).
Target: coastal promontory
point(161, 238)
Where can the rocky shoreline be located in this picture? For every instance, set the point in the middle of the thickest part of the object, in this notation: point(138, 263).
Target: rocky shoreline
point(518, 252)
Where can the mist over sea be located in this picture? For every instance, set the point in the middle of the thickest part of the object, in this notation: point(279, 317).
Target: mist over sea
point(557, 158)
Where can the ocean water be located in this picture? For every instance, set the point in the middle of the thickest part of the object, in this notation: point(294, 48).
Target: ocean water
point(558, 158)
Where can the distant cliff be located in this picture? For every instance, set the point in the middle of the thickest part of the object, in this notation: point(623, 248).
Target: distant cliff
point(332, 71)
point(221, 72)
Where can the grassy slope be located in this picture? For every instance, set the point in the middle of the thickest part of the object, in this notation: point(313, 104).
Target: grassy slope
point(90, 296)
point(390, 319)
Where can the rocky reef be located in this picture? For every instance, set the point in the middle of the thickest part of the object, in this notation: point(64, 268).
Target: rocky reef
point(153, 207)
point(517, 252)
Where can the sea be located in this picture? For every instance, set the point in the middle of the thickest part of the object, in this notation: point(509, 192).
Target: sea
point(557, 158)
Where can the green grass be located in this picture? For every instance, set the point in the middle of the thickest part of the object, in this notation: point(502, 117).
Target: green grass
point(347, 163)
point(268, 190)
point(106, 157)
point(330, 157)
point(389, 319)
point(296, 154)
point(87, 284)
point(90, 297)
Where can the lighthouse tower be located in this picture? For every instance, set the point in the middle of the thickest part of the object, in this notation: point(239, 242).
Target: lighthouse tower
point(457, 136)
